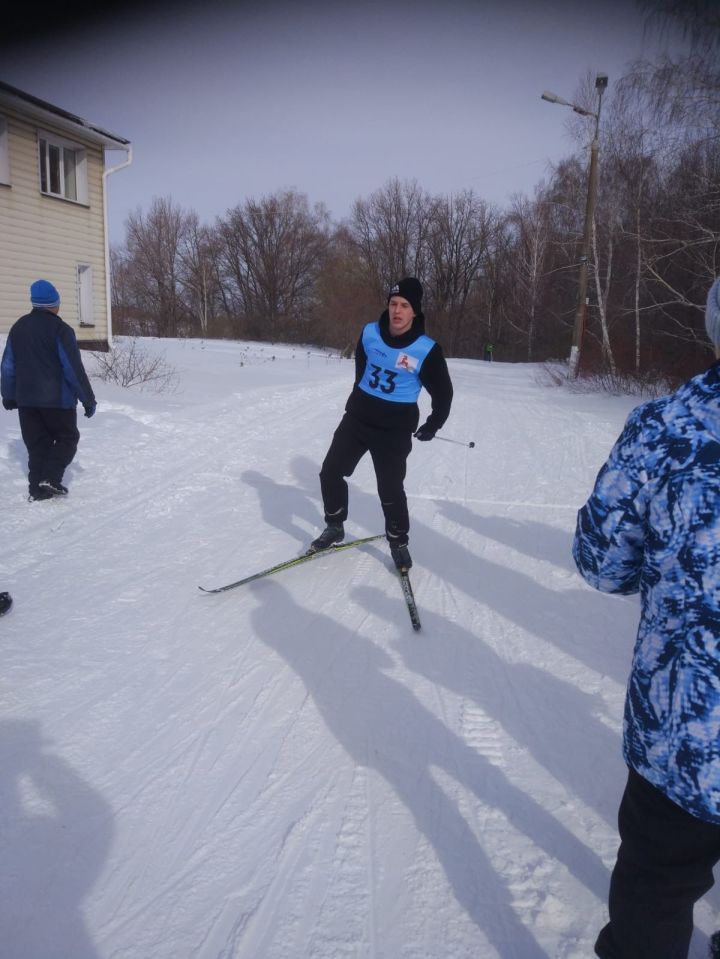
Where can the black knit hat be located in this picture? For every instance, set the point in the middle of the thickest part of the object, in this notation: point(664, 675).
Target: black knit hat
point(410, 289)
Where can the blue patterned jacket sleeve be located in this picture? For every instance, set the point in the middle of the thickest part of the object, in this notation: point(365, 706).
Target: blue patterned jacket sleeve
point(608, 547)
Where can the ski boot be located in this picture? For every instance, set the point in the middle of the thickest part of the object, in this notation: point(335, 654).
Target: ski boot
point(333, 533)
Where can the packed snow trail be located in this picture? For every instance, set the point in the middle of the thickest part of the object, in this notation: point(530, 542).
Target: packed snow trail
point(288, 770)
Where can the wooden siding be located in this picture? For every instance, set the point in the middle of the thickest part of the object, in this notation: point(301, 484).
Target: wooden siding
point(43, 237)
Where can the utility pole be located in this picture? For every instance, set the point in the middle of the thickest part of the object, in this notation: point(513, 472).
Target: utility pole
point(601, 82)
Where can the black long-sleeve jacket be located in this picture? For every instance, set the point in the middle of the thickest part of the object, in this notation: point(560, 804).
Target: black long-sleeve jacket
point(41, 364)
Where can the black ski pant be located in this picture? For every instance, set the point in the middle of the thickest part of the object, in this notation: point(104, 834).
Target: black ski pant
point(51, 437)
point(664, 865)
point(389, 450)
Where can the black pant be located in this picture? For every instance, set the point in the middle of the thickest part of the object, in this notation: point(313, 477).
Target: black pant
point(51, 437)
point(389, 450)
point(664, 865)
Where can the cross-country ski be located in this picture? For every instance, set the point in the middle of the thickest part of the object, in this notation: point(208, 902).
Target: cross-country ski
point(290, 563)
point(409, 598)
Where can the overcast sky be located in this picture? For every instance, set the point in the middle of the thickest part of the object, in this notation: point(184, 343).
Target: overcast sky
point(224, 101)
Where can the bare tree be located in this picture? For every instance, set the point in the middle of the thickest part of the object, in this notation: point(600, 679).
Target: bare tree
point(198, 275)
point(345, 296)
point(390, 230)
point(683, 246)
point(680, 238)
point(154, 243)
point(633, 150)
point(493, 296)
point(271, 253)
point(696, 20)
point(531, 228)
point(120, 299)
point(458, 237)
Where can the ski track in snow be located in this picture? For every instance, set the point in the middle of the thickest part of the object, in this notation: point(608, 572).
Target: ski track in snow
point(287, 770)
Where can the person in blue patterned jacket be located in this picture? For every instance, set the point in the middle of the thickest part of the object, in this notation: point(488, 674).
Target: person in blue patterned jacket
point(652, 525)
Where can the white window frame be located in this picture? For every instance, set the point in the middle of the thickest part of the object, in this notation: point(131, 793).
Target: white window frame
point(57, 186)
point(4, 152)
point(84, 280)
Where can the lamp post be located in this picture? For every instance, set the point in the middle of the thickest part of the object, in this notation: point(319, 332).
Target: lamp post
point(601, 82)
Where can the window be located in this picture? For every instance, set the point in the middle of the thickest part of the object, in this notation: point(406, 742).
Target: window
point(4, 152)
point(62, 169)
point(85, 297)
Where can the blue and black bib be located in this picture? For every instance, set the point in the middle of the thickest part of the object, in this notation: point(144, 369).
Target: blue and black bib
point(391, 373)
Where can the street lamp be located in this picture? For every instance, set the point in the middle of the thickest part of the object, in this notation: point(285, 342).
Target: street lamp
point(601, 82)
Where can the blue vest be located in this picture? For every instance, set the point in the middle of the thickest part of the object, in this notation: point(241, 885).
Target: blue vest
point(393, 374)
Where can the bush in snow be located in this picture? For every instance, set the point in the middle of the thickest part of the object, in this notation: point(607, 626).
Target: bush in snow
point(650, 384)
point(128, 363)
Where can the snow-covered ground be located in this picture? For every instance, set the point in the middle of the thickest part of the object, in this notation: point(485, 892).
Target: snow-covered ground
point(287, 770)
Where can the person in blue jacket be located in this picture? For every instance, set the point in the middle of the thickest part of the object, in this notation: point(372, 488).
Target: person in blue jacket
point(652, 525)
point(43, 378)
point(394, 360)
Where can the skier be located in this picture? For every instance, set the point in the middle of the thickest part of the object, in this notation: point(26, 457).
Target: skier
point(394, 359)
point(42, 377)
point(5, 603)
point(651, 525)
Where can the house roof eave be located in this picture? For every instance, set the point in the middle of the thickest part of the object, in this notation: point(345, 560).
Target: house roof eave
point(49, 113)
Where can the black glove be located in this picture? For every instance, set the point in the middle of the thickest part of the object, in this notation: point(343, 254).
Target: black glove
point(10, 404)
point(425, 433)
point(89, 409)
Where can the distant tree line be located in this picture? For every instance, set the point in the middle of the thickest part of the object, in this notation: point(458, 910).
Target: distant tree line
point(279, 269)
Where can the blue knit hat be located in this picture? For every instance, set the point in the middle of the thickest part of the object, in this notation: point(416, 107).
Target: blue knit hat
point(44, 295)
point(712, 313)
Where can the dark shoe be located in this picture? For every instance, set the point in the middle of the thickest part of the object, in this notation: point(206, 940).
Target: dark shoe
point(333, 533)
point(56, 489)
point(5, 603)
point(401, 557)
point(37, 493)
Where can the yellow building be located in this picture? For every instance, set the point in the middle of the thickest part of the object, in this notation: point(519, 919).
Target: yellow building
point(53, 212)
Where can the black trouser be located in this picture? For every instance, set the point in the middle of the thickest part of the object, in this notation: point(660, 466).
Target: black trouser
point(389, 450)
point(51, 437)
point(664, 865)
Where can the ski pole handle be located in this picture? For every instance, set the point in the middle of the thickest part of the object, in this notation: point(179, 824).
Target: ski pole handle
point(445, 439)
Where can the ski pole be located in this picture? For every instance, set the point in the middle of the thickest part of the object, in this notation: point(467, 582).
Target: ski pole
point(445, 439)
